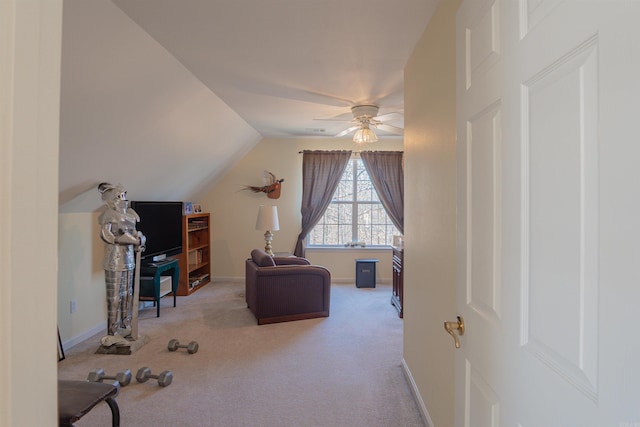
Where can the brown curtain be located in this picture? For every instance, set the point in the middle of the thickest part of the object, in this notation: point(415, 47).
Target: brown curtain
point(321, 173)
point(385, 168)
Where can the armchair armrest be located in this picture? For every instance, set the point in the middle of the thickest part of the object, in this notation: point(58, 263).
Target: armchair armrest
point(289, 270)
point(291, 260)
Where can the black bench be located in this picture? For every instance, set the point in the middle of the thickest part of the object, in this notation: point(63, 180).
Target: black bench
point(77, 398)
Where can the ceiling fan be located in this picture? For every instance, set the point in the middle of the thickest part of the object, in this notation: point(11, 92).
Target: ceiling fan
point(365, 117)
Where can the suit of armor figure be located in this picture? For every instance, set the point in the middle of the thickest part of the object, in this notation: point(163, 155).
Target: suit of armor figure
point(118, 231)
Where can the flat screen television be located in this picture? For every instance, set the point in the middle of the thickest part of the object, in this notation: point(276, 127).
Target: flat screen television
point(161, 223)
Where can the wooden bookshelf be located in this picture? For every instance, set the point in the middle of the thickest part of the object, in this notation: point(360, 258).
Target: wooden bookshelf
point(195, 260)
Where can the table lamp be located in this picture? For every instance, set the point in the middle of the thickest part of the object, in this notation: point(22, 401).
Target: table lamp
point(268, 220)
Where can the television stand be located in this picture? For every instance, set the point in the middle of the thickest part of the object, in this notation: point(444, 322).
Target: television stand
point(166, 267)
point(159, 263)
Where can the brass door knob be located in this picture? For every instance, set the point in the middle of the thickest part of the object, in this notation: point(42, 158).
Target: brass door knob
point(451, 327)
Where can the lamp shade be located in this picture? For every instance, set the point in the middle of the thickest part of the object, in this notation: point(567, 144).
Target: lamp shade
point(267, 218)
point(365, 135)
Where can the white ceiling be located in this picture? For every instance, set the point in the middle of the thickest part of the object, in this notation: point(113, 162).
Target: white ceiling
point(280, 64)
point(165, 96)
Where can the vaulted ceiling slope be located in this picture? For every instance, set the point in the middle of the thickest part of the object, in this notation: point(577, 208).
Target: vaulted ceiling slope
point(165, 96)
point(132, 114)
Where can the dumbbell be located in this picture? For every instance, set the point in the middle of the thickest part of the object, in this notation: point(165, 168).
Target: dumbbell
point(174, 344)
point(97, 375)
point(164, 379)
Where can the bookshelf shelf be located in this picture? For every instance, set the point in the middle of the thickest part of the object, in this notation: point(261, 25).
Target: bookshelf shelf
point(195, 266)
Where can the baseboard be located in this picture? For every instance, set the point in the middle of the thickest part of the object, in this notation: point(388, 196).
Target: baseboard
point(66, 345)
point(416, 394)
point(352, 280)
point(336, 280)
point(228, 279)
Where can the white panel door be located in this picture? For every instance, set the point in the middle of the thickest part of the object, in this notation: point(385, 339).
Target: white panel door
point(548, 213)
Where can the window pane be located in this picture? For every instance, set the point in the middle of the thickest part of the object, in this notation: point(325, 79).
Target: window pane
point(364, 186)
point(364, 213)
point(364, 223)
point(361, 172)
point(371, 224)
point(378, 234)
point(345, 234)
point(330, 234)
point(344, 192)
point(365, 191)
point(348, 172)
point(331, 215)
point(378, 214)
point(323, 234)
point(374, 225)
point(346, 213)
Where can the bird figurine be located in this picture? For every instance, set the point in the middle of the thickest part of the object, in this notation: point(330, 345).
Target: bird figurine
point(271, 188)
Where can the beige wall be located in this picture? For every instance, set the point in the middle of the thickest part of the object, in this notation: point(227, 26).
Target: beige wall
point(430, 215)
point(342, 263)
point(80, 277)
point(234, 210)
point(126, 97)
point(30, 33)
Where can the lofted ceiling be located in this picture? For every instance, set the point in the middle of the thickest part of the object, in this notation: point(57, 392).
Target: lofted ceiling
point(165, 96)
point(280, 64)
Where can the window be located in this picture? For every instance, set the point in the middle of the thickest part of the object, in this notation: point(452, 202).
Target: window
point(356, 215)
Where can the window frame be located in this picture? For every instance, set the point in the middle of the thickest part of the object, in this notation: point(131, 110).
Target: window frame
point(356, 164)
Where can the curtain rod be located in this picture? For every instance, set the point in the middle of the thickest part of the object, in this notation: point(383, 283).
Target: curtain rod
point(323, 151)
point(354, 152)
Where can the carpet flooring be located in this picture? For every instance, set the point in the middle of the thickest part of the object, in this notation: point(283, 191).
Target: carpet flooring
point(340, 371)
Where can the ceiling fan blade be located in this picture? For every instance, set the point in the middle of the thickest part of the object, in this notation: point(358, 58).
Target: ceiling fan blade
point(346, 131)
point(343, 117)
point(388, 116)
point(391, 129)
point(336, 120)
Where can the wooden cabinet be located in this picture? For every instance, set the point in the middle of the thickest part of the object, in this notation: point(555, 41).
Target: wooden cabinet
point(397, 297)
point(195, 260)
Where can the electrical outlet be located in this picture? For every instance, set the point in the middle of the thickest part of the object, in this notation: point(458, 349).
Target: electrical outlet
point(73, 305)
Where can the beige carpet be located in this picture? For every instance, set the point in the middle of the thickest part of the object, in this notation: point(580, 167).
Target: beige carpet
point(344, 370)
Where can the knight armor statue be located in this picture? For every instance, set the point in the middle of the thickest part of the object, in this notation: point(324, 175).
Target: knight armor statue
point(122, 240)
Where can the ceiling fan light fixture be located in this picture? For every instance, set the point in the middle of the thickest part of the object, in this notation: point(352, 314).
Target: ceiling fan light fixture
point(365, 135)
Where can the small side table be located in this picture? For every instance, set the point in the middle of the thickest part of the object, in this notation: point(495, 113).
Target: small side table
point(155, 270)
point(366, 273)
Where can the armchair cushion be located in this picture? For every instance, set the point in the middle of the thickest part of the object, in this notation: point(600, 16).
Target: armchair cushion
point(262, 259)
point(292, 289)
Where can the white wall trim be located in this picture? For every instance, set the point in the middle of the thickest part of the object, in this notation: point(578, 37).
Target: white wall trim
point(70, 343)
point(7, 64)
point(227, 279)
point(352, 280)
point(335, 280)
point(416, 394)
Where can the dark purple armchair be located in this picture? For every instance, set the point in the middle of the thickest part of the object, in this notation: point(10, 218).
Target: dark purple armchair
point(281, 289)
